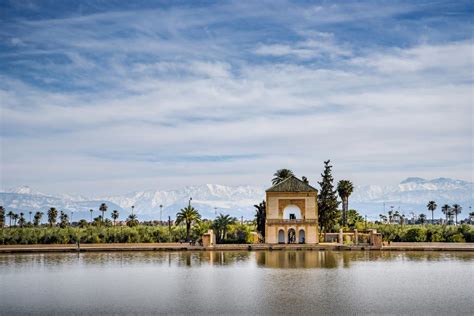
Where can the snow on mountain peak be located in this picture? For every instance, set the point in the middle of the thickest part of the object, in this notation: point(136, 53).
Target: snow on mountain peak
point(413, 180)
point(23, 189)
point(239, 200)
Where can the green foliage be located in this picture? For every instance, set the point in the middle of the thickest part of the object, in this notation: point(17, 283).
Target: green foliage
point(200, 229)
point(63, 220)
point(354, 220)
point(238, 234)
point(344, 189)
point(221, 226)
point(90, 234)
point(260, 216)
point(456, 238)
point(415, 234)
point(431, 206)
point(21, 220)
point(188, 215)
point(428, 233)
point(2, 216)
point(132, 220)
point(115, 214)
point(103, 208)
point(52, 216)
point(327, 200)
point(37, 218)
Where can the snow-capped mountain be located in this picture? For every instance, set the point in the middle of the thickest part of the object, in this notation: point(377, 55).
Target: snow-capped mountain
point(208, 198)
point(412, 194)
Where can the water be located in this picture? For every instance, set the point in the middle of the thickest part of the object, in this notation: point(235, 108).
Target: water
point(278, 282)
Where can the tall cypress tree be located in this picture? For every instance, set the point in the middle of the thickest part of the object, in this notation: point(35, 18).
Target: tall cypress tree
point(327, 200)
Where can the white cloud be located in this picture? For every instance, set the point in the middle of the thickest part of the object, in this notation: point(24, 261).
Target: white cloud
point(158, 102)
point(317, 44)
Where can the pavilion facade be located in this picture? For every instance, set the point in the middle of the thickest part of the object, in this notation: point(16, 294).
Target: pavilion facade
point(291, 213)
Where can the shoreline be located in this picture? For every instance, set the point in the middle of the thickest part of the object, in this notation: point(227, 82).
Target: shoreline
point(41, 248)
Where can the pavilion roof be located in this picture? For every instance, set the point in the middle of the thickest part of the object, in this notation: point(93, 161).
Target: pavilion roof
point(292, 184)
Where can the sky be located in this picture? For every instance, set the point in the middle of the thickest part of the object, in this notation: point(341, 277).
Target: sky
point(109, 97)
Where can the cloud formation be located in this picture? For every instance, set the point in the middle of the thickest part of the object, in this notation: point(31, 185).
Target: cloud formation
point(101, 100)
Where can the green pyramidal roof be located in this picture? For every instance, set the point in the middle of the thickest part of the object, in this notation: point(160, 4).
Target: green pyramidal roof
point(292, 184)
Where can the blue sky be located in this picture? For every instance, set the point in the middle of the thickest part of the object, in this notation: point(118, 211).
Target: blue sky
point(109, 97)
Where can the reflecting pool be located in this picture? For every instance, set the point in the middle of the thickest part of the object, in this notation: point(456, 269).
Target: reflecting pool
point(231, 282)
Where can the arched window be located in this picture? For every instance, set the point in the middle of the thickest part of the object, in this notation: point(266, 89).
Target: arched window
point(292, 212)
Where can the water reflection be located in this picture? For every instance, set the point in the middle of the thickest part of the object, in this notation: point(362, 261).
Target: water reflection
point(235, 282)
point(265, 259)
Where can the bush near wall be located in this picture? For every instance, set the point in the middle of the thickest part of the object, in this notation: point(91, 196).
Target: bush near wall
point(425, 233)
point(71, 235)
point(237, 233)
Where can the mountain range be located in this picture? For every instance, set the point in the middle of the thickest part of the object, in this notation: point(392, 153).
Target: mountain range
point(410, 195)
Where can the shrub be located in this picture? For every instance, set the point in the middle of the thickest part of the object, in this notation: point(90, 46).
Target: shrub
point(456, 238)
point(415, 234)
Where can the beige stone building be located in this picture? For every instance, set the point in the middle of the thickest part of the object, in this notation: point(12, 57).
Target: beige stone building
point(292, 213)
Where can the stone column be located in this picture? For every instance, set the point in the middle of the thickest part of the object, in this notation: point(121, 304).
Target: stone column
point(341, 237)
point(356, 237)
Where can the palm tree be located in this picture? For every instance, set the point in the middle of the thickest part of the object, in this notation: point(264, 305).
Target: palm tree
point(344, 189)
point(390, 216)
point(456, 210)
point(132, 220)
point(432, 207)
point(260, 217)
point(383, 218)
point(52, 215)
point(2, 216)
point(189, 215)
point(115, 215)
point(21, 220)
point(397, 217)
point(103, 209)
point(221, 224)
point(91, 210)
point(422, 218)
point(64, 220)
point(10, 214)
point(15, 218)
point(280, 175)
point(37, 218)
point(446, 209)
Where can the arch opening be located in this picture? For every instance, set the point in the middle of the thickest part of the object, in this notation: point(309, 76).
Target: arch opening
point(302, 236)
point(292, 212)
point(281, 236)
point(291, 236)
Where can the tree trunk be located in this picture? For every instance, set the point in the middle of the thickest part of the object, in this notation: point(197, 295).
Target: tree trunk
point(188, 228)
point(345, 206)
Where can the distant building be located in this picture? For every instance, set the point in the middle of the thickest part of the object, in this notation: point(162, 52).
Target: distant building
point(292, 213)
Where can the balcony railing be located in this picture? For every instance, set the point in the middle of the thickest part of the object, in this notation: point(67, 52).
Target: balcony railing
point(291, 221)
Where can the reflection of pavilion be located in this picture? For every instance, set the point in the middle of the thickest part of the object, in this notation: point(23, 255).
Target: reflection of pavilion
point(292, 213)
point(299, 259)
